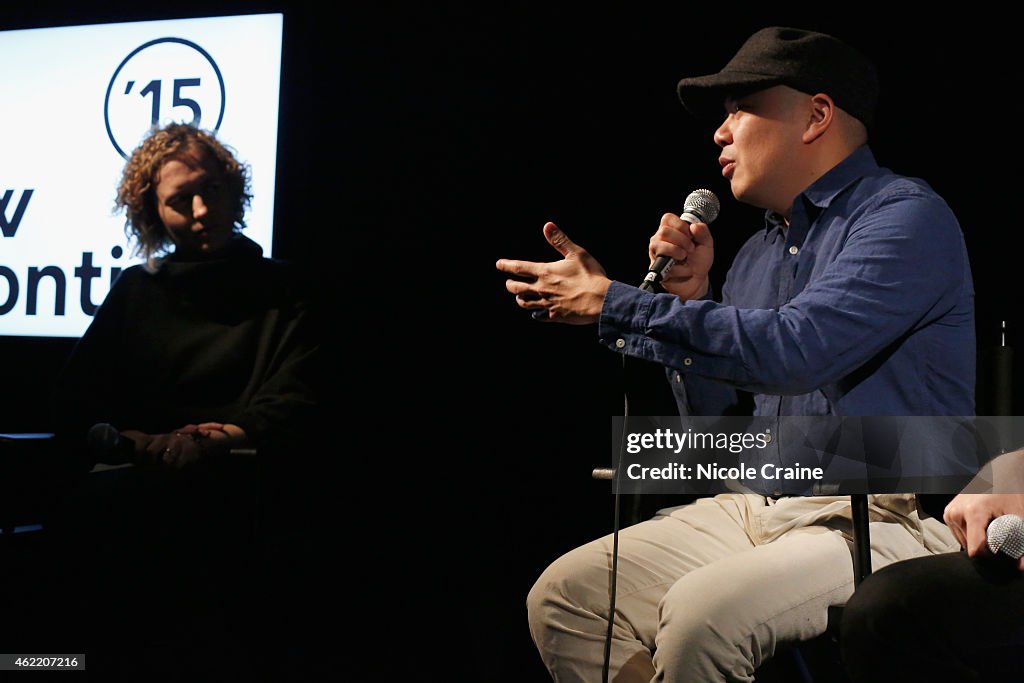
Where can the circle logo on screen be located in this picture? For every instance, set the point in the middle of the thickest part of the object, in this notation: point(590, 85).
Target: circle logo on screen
point(163, 81)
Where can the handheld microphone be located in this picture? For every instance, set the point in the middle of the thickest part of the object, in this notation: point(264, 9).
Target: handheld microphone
point(701, 206)
point(108, 445)
point(1006, 535)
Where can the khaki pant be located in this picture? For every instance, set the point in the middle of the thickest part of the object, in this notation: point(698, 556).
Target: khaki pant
point(706, 591)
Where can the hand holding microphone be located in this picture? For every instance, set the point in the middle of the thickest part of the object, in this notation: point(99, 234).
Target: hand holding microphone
point(180, 448)
point(682, 249)
point(111, 446)
point(988, 523)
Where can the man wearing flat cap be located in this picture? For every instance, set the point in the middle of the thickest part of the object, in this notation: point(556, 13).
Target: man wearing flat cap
point(854, 298)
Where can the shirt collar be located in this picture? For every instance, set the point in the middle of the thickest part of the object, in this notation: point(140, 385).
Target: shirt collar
point(861, 162)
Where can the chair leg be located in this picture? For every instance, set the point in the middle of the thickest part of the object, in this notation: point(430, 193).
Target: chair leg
point(861, 537)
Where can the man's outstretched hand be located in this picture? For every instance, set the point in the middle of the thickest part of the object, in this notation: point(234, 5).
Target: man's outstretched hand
point(569, 291)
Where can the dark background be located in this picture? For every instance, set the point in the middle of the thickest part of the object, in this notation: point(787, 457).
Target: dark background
point(419, 144)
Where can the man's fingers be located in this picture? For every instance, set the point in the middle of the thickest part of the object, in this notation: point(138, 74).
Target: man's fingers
point(665, 243)
point(521, 268)
point(680, 271)
point(533, 270)
point(526, 295)
point(560, 241)
point(531, 303)
point(517, 287)
point(524, 292)
point(701, 234)
point(671, 240)
point(673, 221)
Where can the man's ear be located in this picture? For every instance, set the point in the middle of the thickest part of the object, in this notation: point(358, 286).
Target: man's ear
point(822, 113)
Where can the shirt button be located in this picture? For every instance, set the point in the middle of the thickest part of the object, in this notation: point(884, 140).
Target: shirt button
point(687, 361)
point(794, 250)
point(619, 343)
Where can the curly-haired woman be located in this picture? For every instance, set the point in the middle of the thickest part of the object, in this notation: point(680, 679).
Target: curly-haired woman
point(207, 346)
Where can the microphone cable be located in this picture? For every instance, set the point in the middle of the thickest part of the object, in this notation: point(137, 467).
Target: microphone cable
point(616, 479)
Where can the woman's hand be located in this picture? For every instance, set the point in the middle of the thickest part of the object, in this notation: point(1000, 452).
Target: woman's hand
point(177, 449)
point(186, 445)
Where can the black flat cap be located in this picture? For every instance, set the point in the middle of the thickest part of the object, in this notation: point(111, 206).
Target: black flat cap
point(804, 60)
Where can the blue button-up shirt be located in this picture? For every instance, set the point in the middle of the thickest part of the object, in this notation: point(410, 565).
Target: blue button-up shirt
point(863, 305)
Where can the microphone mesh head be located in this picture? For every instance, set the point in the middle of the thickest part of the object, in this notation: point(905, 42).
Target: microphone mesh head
point(1006, 536)
point(102, 438)
point(702, 203)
